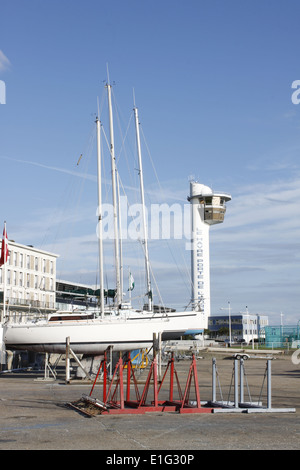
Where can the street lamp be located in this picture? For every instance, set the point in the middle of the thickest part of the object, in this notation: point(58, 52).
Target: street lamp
point(229, 316)
point(248, 325)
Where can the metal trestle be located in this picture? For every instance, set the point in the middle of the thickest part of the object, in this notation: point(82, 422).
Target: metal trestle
point(118, 400)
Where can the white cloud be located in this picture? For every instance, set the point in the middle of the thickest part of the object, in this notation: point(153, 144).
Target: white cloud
point(4, 62)
point(53, 168)
point(270, 205)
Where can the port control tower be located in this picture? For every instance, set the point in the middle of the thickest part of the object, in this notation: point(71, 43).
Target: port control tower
point(208, 208)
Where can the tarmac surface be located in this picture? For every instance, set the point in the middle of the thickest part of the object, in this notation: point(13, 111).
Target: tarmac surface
point(34, 414)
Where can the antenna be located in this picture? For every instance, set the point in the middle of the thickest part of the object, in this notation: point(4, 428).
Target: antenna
point(133, 94)
point(98, 108)
point(107, 72)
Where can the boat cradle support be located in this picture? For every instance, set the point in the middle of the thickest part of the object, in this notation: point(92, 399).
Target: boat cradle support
point(117, 395)
point(239, 405)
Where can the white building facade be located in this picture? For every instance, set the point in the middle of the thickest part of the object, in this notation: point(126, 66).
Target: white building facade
point(246, 327)
point(30, 280)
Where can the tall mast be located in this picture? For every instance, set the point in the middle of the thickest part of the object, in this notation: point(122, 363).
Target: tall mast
point(120, 234)
point(145, 234)
point(100, 234)
point(114, 195)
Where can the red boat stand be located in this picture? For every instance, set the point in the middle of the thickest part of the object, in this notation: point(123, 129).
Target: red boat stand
point(115, 402)
point(184, 404)
point(103, 365)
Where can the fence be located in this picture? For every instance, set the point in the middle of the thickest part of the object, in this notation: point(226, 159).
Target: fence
point(282, 336)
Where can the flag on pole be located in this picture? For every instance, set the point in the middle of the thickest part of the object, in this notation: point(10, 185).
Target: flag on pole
point(131, 282)
point(3, 260)
point(4, 248)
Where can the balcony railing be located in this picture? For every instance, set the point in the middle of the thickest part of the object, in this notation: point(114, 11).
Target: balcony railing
point(27, 303)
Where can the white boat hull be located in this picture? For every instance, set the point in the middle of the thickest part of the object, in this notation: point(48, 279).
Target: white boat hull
point(96, 335)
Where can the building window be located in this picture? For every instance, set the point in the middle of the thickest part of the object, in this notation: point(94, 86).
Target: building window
point(36, 264)
point(28, 262)
point(21, 260)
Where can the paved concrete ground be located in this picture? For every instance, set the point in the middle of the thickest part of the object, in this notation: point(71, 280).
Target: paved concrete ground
point(33, 415)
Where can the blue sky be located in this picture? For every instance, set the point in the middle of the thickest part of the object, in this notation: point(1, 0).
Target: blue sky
point(212, 81)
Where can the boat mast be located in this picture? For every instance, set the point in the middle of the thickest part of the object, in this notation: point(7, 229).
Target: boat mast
point(114, 195)
point(100, 234)
point(145, 234)
point(120, 235)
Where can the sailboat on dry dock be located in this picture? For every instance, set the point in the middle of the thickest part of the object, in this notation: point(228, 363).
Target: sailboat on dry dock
point(114, 325)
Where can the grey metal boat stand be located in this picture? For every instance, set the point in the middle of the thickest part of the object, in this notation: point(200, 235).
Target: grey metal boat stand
point(239, 405)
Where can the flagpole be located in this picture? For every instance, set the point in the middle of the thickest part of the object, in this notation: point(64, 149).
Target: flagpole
point(129, 285)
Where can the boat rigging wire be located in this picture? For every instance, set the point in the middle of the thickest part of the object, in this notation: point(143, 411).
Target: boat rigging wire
point(188, 273)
